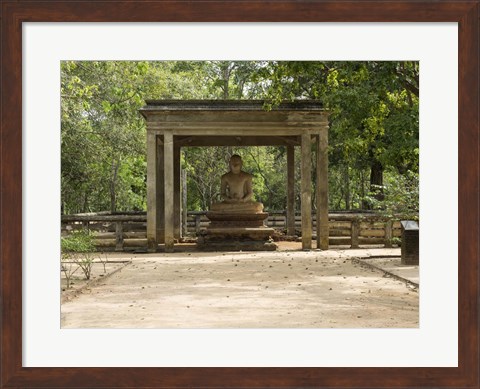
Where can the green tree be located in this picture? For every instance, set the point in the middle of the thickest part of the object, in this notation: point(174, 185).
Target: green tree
point(373, 135)
point(103, 135)
point(225, 79)
point(374, 112)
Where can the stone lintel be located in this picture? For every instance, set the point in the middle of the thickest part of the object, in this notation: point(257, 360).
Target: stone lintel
point(230, 105)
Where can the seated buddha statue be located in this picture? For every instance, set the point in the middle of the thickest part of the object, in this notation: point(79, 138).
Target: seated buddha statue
point(236, 191)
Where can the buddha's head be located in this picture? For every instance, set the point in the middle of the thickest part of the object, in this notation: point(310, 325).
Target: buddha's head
point(235, 164)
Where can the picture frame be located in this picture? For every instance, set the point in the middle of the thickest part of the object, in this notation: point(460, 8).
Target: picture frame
point(14, 13)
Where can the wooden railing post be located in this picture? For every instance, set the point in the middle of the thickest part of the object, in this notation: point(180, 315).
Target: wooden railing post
point(119, 236)
point(197, 224)
point(355, 229)
point(388, 233)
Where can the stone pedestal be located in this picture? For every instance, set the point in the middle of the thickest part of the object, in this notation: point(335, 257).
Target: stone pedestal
point(234, 232)
point(410, 243)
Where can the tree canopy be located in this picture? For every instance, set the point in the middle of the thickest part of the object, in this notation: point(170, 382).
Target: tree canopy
point(373, 138)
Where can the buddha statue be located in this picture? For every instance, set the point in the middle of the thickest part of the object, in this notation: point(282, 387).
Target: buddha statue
point(237, 222)
point(236, 191)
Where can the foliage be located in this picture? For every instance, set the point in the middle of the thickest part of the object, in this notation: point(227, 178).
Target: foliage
point(401, 196)
point(348, 187)
point(371, 108)
point(373, 105)
point(267, 164)
point(204, 167)
point(373, 136)
point(103, 135)
point(78, 248)
point(225, 79)
point(80, 241)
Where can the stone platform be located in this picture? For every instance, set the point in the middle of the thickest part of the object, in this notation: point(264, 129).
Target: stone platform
point(235, 231)
point(233, 220)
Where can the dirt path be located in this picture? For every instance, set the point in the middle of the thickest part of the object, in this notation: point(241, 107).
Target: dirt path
point(286, 289)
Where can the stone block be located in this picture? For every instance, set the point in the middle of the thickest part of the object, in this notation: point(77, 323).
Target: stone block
point(410, 243)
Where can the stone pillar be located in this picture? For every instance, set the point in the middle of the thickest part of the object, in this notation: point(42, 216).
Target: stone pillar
point(322, 190)
point(160, 191)
point(169, 191)
point(306, 185)
point(290, 190)
point(176, 192)
point(184, 203)
point(153, 219)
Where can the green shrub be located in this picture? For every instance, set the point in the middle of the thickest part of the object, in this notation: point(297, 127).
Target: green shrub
point(79, 248)
point(78, 242)
point(401, 196)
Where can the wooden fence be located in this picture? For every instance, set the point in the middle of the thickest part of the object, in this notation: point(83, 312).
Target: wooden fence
point(128, 231)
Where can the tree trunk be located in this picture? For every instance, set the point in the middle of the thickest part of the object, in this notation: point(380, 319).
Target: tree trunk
point(85, 202)
point(347, 188)
point(376, 180)
point(113, 184)
point(226, 79)
point(362, 188)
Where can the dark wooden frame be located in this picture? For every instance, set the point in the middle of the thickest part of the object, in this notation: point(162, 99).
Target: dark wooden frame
point(14, 13)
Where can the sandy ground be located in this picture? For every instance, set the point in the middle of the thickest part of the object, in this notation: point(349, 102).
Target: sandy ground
point(283, 289)
point(395, 267)
point(99, 271)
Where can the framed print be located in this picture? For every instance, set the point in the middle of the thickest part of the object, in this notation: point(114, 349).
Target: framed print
point(221, 358)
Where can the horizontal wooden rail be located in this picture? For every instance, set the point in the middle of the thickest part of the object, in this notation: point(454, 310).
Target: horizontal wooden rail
point(117, 231)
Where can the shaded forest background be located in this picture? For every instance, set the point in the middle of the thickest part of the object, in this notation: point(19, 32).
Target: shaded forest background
point(373, 138)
